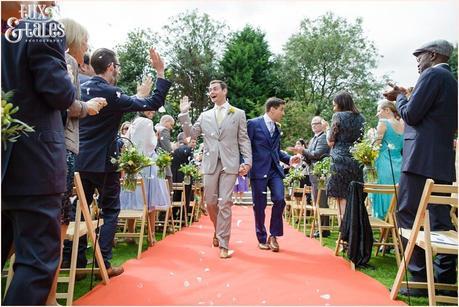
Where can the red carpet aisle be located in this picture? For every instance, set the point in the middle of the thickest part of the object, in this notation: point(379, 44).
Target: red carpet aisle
point(184, 269)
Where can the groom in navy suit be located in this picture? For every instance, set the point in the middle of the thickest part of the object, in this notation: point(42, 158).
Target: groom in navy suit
point(266, 171)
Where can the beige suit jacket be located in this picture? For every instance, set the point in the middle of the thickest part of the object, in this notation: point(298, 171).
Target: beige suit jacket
point(225, 143)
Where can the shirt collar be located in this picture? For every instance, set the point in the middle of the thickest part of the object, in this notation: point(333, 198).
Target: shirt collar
point(268, 119)
point(225, 106)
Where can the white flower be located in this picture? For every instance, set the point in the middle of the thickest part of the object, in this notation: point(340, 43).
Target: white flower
point(391, 146)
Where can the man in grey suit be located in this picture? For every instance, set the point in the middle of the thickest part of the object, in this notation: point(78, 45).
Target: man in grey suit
point(317, 150)
point(224, 129)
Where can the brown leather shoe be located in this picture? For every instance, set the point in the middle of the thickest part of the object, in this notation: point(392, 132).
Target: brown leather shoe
point(215, 241)
point(226, 253)
point(263, 246)
point(115, 271)
point(273, 245)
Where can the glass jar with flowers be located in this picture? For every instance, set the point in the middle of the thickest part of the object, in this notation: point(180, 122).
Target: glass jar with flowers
point(163, 160)
point(365, 152)
point(131, 162)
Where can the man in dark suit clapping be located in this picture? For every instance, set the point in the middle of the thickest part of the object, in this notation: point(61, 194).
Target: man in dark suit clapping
point(98, 138)
point(317, 150)
point(430, 116)
point(34, 179)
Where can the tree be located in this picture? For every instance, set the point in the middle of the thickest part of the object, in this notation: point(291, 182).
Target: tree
point(453, 62)
point(134, 58)
point(192, 44)
point(246, 67)
point(297, 117)
point(327, 55)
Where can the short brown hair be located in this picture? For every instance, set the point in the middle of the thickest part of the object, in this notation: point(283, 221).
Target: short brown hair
point(222, 83)
point(273, 102)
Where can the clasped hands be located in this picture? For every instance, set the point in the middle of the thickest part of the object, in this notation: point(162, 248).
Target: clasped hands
point(94, 105)
point(392, 94)
point(244, 169)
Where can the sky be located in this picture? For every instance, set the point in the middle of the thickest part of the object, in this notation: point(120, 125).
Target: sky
point(395, 27)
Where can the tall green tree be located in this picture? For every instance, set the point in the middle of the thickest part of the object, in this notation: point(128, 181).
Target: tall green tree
point(192, 44)
point(134, 58)
point(246, 67)
point(329, 54)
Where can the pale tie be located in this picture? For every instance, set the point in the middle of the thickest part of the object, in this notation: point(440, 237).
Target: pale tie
point(271, 128)
point(219, 115)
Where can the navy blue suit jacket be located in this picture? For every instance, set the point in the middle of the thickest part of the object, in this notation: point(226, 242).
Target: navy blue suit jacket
point(265, 149)
point(98, 133)
point(430, 117)
point(37, 73)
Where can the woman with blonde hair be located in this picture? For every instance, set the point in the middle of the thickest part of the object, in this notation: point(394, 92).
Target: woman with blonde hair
point(77, 43)
point(390, 137)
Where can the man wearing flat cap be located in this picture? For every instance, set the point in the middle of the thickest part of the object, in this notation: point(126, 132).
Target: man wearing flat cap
point(430, 117)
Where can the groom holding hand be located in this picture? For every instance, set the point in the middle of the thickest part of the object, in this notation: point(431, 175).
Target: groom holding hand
point(224, 129)
point(267, 172)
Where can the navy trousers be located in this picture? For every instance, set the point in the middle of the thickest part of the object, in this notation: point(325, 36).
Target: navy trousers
point(108, 185)
point(32, 225)
point(259, 196)
point(411, 187)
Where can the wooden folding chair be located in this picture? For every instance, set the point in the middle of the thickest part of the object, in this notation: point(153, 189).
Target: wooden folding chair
point(433, 242)
point(168, 216)
point(386, 226)
point(331, 212)
point(74, 231)
point(181, 205)
point(299, 207)
point(138, 215)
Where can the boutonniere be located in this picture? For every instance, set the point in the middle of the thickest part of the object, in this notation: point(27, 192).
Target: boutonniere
point(231, 110)
point(278, 125)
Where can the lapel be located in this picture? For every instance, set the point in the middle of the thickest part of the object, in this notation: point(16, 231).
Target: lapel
point(227, 116)
point(315, 140)
point(276, 134)
point(265, 129)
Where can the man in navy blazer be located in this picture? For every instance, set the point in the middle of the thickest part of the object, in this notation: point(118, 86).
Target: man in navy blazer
point(430, 117)
point(267, 172)
point(35, 172)
point(98, 136)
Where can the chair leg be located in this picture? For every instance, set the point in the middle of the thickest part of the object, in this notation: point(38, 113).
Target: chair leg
point(166, 219)
point(338, 243)
point(396, 245)
point(429, 259)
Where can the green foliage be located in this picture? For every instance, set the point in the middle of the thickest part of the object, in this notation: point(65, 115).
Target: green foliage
point(192, 44)
point(164, 159)
point(11, 128)
point(365, 152)
point(131, 162)
point(321, 168)
point(327, 55)
point(296, 123)
point(134, 58)
point(191, 170)
point(294, 174)
point(247, 69)
point(453, 62)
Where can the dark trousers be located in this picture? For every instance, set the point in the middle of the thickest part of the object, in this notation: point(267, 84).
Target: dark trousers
point(259, 192)
point(411, 187)
point(108, 185)
point(324, 220)
point(32, 225)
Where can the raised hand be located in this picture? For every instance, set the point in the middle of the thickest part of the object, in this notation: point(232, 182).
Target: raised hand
point(157, 62)
point(95, 105)
point(185, 104)
point(144, 89)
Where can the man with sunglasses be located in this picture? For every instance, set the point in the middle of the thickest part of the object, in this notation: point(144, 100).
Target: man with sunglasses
point(430, 117)
point(98, 140)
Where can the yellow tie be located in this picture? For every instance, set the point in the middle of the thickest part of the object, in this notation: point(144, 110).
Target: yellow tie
point(219, 115)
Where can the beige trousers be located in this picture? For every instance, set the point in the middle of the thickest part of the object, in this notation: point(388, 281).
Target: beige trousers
point(218, 191)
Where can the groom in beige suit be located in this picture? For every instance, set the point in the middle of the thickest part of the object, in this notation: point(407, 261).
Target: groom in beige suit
point(224, 129)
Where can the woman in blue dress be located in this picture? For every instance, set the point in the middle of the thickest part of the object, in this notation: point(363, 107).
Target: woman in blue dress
point(390, 136)
point(143, 136)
